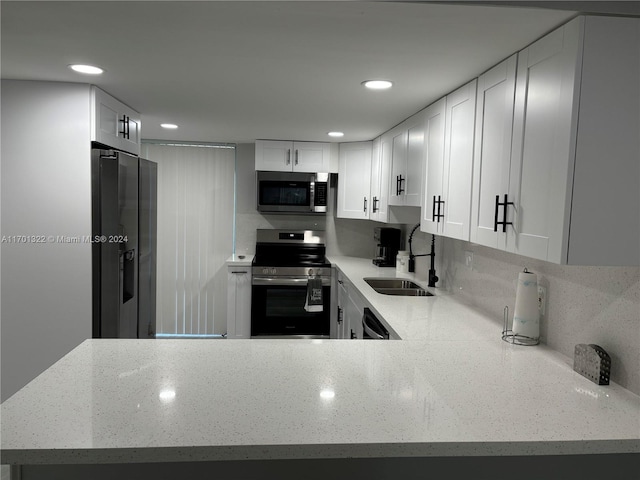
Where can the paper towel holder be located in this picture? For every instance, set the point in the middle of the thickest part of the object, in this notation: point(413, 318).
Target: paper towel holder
point(515, 338)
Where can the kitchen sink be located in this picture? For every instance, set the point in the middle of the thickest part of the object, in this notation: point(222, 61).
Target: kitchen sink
point(397, 286)
point(408, 292)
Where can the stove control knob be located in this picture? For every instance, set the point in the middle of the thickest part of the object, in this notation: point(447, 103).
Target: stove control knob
point(265, 271)
point(273, 271)
point(311, 272)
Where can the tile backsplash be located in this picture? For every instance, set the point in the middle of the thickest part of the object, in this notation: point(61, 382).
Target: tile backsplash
point(599, 305)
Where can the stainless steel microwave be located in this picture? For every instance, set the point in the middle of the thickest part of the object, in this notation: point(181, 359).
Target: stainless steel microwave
point(292, 192)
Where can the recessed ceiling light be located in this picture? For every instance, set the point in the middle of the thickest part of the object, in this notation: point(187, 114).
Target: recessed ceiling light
point(377, 84)
point(336, 134)
point(171, 126)
point(87, 69)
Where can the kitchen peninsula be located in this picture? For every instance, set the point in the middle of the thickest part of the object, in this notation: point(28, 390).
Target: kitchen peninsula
point(450, 397)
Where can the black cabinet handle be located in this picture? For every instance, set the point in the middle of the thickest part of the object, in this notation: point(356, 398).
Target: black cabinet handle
point(374, 208)
point(433, 210)
point(504, 222)
point(125, 132)
point(339, 315)
point(401, 190)
point(365, 204)
point(124, 122)
point(353, 335)
point(440, 204)
point(437, 216)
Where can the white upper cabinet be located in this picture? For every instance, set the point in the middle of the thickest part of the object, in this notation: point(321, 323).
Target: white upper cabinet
point(458, 162)
point(546, 102)
point(113, 123)
point(286, 156)
point(380, 177)
point(354, 180)
point(492, 157)
point(568, 191)
point(434, 166)
point(449, 164)
point(407, 160)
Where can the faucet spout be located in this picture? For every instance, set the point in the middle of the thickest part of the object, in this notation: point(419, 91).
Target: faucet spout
point(433, 278)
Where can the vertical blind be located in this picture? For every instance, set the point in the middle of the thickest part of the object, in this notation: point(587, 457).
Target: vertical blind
point(195, 236)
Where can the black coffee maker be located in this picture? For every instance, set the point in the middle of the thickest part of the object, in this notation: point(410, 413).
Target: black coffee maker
point(388, 244)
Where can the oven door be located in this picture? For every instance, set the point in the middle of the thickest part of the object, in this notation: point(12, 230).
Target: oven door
point(277, 308)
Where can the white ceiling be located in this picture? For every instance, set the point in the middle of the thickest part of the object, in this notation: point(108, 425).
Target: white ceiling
point(237, 71)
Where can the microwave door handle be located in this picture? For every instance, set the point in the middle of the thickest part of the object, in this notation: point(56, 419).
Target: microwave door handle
point(312, 195)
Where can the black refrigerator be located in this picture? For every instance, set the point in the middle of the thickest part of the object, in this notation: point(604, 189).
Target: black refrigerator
point(124, 226)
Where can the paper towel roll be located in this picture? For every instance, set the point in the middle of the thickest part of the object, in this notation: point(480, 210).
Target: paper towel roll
point(526, 318)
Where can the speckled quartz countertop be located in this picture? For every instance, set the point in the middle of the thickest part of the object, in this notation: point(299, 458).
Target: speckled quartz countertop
point(440, 317)
point(452, 388)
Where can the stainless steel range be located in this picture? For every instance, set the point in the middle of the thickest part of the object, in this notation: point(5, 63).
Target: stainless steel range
point(289, 269)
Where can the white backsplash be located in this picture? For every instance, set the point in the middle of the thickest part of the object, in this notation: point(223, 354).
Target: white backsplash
point(598, 305)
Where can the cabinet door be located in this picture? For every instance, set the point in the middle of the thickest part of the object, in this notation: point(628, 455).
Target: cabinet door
point(492, 151)
point(132, 138)
point(543, 143)
point(311, 157)
point(354, 311)
point(343, 324)
point(274, 155)
point(354, 180)
point(415, 161)
point(239, 302)
point(398, 166)
point(375, 179)
point(458, 161)
point(113, 123)
point(380, 171)
point(434, 160)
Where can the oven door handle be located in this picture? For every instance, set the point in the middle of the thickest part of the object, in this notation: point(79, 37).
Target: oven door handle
point(285, 281)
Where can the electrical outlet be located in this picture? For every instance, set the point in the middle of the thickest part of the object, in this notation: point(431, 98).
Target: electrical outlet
point(542, 299)
point(468, 260)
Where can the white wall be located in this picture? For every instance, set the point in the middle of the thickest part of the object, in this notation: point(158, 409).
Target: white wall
point(46, 190)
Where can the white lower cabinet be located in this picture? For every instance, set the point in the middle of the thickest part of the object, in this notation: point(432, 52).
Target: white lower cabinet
point(239, 302)
point(354, 180)
point(350, 310)
point(449, 129)
point(566, 190)
point(342, 328)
